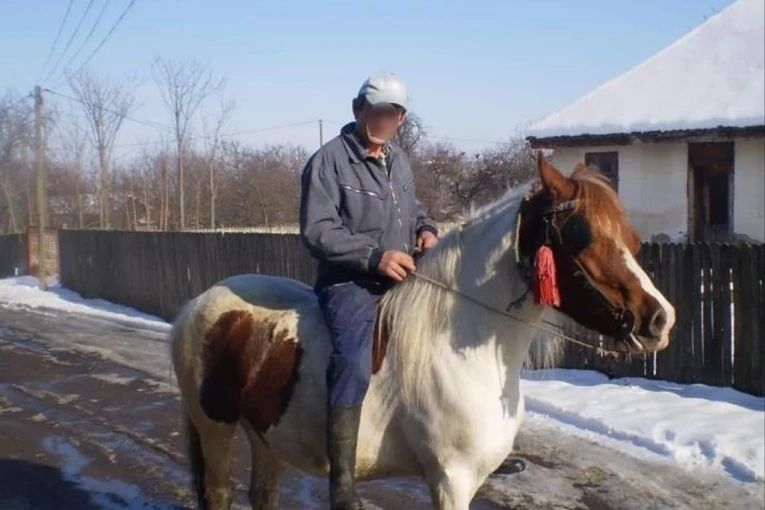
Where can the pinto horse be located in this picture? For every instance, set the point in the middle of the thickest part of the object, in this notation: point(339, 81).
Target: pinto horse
point(444, 402)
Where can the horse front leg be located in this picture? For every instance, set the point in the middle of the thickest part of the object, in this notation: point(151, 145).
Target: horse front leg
point(452, 487)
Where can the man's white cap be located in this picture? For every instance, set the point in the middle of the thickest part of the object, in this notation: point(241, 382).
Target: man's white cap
point(384, 88)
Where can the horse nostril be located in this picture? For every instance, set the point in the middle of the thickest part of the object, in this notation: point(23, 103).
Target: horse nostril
point(657, 324)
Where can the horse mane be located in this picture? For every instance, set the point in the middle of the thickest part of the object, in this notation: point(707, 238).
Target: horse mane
point(599, 202)
point(415, 313)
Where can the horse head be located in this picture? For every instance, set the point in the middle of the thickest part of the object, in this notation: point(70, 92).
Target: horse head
point(601, 285)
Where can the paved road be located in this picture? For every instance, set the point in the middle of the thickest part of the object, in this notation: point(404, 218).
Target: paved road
point(84, 427)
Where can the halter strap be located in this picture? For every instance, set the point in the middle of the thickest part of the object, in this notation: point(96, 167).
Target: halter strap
point(562, 207)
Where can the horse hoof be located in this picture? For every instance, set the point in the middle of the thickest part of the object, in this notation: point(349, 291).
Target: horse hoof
point(512, 466)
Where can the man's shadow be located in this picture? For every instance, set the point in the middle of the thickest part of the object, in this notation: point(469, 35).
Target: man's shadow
point(28, 485)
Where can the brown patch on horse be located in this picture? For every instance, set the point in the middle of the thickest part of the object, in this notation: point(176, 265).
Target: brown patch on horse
point(267, 394)
point(250, 370)
point(380, 345)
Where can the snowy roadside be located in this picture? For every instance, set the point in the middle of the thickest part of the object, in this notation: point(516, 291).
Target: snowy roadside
point(694, 425)
point(23, 293)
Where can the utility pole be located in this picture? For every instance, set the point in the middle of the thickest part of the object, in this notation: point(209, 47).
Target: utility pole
point(321, 132)
point(41, 212)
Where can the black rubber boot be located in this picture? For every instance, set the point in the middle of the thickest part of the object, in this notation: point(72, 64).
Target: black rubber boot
point(342, 436)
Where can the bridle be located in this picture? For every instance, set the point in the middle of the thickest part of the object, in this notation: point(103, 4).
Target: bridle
point(567, 240)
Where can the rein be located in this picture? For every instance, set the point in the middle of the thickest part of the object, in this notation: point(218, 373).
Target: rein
point(600, 351)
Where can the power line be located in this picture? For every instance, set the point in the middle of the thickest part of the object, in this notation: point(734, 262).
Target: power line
point(69, 42)
point(154, 125)
point(100, 44)
point(55, 41)
point(225, 135)
point(90, 34)
point(467, 140)
point(436, 137)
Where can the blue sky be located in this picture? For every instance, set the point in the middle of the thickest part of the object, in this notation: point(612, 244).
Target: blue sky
point(477, 71)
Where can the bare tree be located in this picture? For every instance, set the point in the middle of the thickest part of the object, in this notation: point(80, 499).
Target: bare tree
point(16, 125)
point(212, 143)
point(146, 167)
point(105, 107)
point(410, 134)
point(73, 142)
point(183, 86)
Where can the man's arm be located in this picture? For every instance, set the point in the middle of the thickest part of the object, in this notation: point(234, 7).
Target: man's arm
point(321, 228)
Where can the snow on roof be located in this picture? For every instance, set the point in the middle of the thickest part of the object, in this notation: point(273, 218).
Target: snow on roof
point(712, 77)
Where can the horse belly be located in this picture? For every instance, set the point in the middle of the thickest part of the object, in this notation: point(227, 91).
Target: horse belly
point(300, 436)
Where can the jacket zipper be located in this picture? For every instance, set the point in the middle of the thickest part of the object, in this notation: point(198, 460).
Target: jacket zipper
point(395, 201)
point(360, 191)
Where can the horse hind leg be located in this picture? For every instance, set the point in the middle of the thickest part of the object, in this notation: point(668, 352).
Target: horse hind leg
point(210, 452)
point(264, 474)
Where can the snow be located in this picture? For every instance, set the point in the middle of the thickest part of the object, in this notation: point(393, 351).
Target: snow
point(23, 292)
point(697, 426)
point(712, 77)
point(104, 494)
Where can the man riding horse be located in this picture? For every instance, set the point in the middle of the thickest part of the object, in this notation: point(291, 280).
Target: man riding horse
point(360, 218)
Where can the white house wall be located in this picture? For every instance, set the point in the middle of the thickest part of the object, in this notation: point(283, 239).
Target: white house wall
point(652, 184)
point(749, 189)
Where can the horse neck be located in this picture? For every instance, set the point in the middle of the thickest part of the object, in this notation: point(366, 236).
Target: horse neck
point(429, 324)
point(489, 273)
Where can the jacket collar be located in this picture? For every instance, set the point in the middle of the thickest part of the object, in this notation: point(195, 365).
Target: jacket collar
point(355, 146)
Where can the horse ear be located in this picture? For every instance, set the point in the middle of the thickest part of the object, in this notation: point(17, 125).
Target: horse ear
point(579, 168)
point(555, 182)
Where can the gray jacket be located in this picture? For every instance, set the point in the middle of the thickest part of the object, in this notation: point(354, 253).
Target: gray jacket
point(354, 207)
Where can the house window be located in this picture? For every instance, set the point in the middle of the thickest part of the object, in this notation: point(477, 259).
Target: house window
point(606, 163)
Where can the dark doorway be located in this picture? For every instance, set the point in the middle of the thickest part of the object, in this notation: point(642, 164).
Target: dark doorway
point(710, 190)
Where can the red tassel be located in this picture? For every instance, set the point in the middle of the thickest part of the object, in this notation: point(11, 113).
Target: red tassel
point(545, 282)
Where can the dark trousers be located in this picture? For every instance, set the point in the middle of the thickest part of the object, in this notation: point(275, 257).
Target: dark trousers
point(350, 310)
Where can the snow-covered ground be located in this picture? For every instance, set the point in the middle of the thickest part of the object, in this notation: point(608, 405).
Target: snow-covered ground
point(23, 292)
point(695, 425)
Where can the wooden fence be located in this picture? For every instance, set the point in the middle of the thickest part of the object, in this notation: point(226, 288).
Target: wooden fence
point(156, 272)
point(717, 289)
point(13, 255)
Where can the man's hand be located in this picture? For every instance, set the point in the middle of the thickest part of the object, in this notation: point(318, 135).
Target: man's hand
point(396, 265)
point(425, 241)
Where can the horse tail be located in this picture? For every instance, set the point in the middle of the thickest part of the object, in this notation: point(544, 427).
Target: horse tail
point(197, 461)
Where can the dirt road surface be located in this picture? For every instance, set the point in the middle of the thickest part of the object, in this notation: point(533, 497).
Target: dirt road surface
point(86, 424)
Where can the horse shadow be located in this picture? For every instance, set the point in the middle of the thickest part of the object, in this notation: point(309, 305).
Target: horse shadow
point(27, 485)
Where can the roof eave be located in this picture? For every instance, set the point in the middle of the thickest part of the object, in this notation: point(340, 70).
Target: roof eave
point(637, 137)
